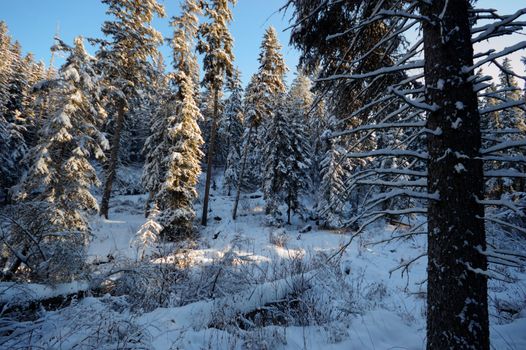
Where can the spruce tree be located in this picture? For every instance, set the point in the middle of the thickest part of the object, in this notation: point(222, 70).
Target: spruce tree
point(286, 160)
point(260, 100)
point(300, 91)
point(333, 174)
point(17, 75)
point(17, 86)
point(490, 123)
point(310, 115)
point(173, 162)
point(232, 131)
point(125, 63)
point(508, 125)
point(216, 45)
point(60, 174)
point(158, 96)
point(269, 85)
point(5, 65)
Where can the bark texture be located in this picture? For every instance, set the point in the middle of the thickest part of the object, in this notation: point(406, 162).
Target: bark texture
point(457, 311)
point(114, 159)
point(211, 149)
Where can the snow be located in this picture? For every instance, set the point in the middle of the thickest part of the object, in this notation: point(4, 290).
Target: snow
point(459, 168)
point(13, 294)
point(115, 237)
point(456, 124)
point(359, 303)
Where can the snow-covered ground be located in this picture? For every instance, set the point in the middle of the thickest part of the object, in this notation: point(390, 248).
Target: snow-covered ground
point(245, 285)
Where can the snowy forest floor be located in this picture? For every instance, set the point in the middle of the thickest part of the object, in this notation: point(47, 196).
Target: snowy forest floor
point(244, 285)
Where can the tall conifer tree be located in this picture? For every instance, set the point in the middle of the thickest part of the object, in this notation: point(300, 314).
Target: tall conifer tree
point(262, 94)
point(173, 161)
point(232, 131)
point(125, 61)
point(216, 44)
point(60, 174)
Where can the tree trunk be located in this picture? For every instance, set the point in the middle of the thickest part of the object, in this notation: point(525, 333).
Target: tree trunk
point(114, 158)
point(289, 208)
point(242, 172)
point(211, 148)
point(457, 307)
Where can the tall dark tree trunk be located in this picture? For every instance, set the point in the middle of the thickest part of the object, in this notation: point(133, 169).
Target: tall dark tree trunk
point(211, 148)
point(242, 172)
point(289, 202)
point(114, 159)
point(457, 310)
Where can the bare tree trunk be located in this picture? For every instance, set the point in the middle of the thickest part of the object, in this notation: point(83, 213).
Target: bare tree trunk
point(114, 158)
point(457, 305)
point(289, 208)
point(211, 148)
point(9, 271)
point(242, 172)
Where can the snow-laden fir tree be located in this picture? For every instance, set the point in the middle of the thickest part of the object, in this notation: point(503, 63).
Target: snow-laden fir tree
point(17, 76)
point(333, 173)
point(215, 43)
point(157, 98)
point(491, 122)
point(206, 106)
point(17, 86)
point(125, 61)
point(149, 233)
point(13, 148)
point(269, 84)
point(260, 101)
point(510, 91)
point(226, 116)
point(231, 130)
point(60, 174)
point(506, 125)
point(174, 151)
point(12, 142)
point(245, 178)
point(250, 174)
point(313, 118)
point(24, 73)
point(146, 104)
point(5, 65)
point(318, 124)
point(286, 159)
point(513, 118)
point(300, 90)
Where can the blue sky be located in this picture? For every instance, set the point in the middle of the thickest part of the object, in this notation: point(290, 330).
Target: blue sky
point(35, 22)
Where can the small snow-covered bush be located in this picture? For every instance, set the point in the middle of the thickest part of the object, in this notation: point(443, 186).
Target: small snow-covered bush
point(508, 305)
point(267, 338)
point(91, 323)
point(148, 234)
point(274, 220)
point(36, 248)
point(149, 285)
point(278, 237)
